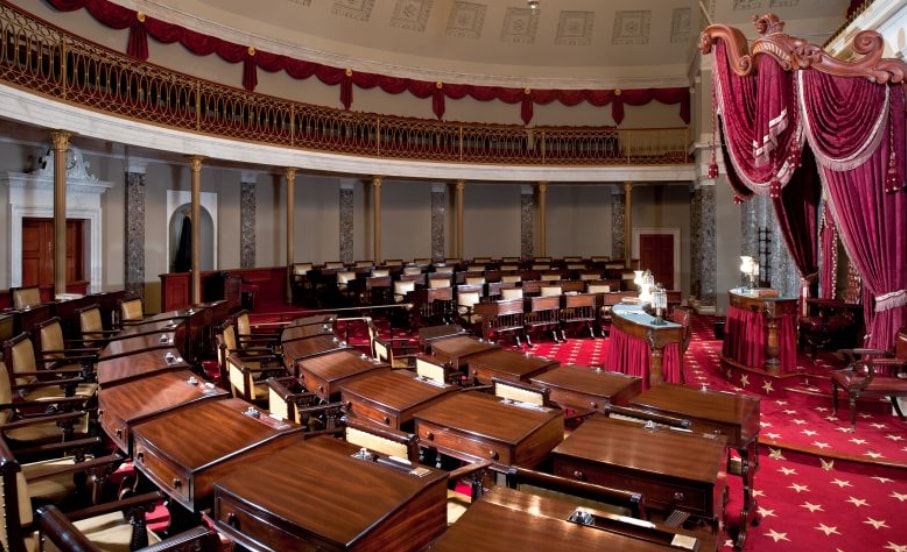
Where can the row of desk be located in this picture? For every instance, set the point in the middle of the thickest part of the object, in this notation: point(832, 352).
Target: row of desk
point(269, 486)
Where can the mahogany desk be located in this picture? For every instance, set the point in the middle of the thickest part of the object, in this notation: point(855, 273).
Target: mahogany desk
point(760, 331)
point(456, 350)
point(506, 519)
point(316, 495)
point(122, 406)
point(506, 365)
point(391, 398)
point(583, 388)
point(641, 347)
point(304, 347)
point(141, 363)
point(324, 374)
point(429, 334)
point(185, 451)
point(296, 331)
point(472, 425)
point(673, 469)
point(735, 417)
point(138, 342)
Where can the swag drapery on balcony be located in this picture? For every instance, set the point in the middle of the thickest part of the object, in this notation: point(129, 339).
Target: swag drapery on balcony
point(792, 116)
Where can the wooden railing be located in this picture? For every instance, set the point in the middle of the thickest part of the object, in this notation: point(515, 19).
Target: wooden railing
point(47, 61)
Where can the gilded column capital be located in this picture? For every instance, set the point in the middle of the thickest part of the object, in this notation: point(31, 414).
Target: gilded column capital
point(628, 187)
point(290, 174)
point(60, 139)
point(376, 181)
point(195, 163)
point(460, 185)
point(542, 187)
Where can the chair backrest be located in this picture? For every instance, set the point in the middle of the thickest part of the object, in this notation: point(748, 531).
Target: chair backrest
point(402, 287)
point(551, 277)
point(243, 324)
point(412, 270)
point(26, 297)
point(383, 440)
point(436, 282)
point(467, 299)
point(511, 293)
point(393, 262)
point(50, 338)
point(91, 325)
point(551, 291)
point(301, 269)
point(16, 514)
point(131, 310)
point(19, 356)
point(598, 288)
point(427, 368)
point(333, 265)
point(511, 278)
point(519, 392)
point(475, 280)
point(345, 277)
point(364, 263)
point(380, 272)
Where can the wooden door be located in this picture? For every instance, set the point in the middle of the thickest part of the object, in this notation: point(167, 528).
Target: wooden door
point(656, 252)
point(38, 251)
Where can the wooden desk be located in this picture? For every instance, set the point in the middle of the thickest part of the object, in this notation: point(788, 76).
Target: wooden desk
point(760, 331)
point(507, 365)
point(473, 426)
point(305, 347)
point(325, 374)
point(138, 342)
point(296, 331)
point(632, 329)
point(673, 469)
point(315, 495)
point(456, 350)
point(429, 334)
point(185, 451)
point(582, 387)
point(499, 317)
point(508, 519)
point(735, 417)
point(391, 398)
point(141, 363)
point(122, 406)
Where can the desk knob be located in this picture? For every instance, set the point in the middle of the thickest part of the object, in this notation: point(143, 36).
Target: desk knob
point(387, 421)
point(119, 433)
point(177, 484)
point(140, 457)
point(493, 454)
point(430, 436)
point(232, 520)
point(578, 474)
point(679, 496)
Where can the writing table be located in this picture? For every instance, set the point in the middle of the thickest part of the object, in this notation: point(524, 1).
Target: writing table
point(324, 374)
point(587, 388)
point(391, 398)
point(457, 349)
point(506, 365)
point(140, 363)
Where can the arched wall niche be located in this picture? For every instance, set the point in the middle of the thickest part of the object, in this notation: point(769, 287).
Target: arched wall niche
point(178, 207)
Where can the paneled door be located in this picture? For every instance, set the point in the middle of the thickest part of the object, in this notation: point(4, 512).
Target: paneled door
point(38, 251)
point(656, 252)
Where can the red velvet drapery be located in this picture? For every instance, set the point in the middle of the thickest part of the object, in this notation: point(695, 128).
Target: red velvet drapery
point(142, 26)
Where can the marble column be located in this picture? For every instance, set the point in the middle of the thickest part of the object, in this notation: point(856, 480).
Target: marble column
point(247, 205)
point(703, 246)
point(460, 187)
point(346, 221)
point(542, 189)
point(438, 216)
point(134, 269)
point(376, 219)
point(628, 223)
point(527, 222)
point(60, 139)
point(617, 224)
point(195, 283)
point(290, 176)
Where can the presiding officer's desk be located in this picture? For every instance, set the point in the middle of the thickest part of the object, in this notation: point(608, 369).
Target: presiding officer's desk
point(642, 347)
point(318, 494)
point(506, 519)
point(476, 426)
point(760, 331)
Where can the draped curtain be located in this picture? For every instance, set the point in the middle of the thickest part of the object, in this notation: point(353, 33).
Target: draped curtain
point(141, 27)
point(853, 129)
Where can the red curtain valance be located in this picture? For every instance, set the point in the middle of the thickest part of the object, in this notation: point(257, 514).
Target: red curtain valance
point(141, 26)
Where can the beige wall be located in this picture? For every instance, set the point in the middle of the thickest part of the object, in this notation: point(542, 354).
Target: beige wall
point(491, 220)
point(578, 218)
point(666, 206)
point(405, 220)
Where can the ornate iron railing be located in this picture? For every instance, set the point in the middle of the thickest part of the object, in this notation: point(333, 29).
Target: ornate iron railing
point(50, 62)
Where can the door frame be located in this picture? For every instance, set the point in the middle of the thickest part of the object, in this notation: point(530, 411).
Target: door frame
point(675, 232)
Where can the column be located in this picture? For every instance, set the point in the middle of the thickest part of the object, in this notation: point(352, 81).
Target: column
point(134, 268)
point(628, 223)
point(60, 140)
point(438, 218)
point(290, 174)
point(195, 215)
point(247, 204)
point(542, 188)
point(376, 219)
point(618, 239)
point(461, 185)
point(347, 218)
point(527, 222)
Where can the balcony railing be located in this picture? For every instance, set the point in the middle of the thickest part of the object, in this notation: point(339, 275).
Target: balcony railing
point(50, 62)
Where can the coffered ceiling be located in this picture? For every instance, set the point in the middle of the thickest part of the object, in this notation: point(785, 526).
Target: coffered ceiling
point(564, 44)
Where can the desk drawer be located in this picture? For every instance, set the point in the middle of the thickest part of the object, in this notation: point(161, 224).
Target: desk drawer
point(172, 480)
point(662, 493)
point(454, 442)
point(255, 528)
point(577, 399)
point(368, 410)
point(116, 428)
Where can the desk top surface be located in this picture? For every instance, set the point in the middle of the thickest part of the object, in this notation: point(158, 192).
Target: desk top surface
point(317, 485)
point(487, 416)
point(395, 391)
point(154, 393)
point(138, 342)
point(636, 315)
point(515, 363)
point(310, 345)
point(336, 365)
point(659, 451)
point(460, 345)
point(587, 380)
point(176, 434)
point(530, 522)
point(727, 408)
point(121, 368)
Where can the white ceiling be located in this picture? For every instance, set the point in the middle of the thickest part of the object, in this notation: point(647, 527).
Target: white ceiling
point(566, 44)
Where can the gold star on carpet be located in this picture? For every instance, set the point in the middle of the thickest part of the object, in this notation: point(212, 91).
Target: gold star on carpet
point(881, 479)
point(788, 471)
point(827, 465)
point(767, 387)
point(857, 441)
point(781, 402)
point(899, 496)
point(799, 488)
point(773, 435)
point(821, 409)
point(858, 502)
point(821, 445)
point(873, 454)
point(896, 547)
point(789, 412)
point(757, 493)
point(812, 507)
point(799, 421)
point(744, 380)
point(765, 512)
point(894, 437)
point(841, 483)
point(809, 432)
point(775, 454)
point(776, 536)
point(827, 529)
point(877, 523)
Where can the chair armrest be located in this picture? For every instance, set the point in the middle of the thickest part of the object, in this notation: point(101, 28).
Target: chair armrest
point(67, 447)
point(146, 499)
point(64, 401)
point(474, 472)
point(77, 467)
point(197, 538)
point(41, 420)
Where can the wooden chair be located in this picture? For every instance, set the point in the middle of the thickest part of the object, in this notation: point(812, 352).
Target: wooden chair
point(544, 315)
point(872, 373)
point(579, 310)
point(404, 447)
point(24, 298)
point(684, 317)
point(132, 310)
point(288, 399)
point(429, 368)
point(36, 381)
point(91, 327)
point(54, 352)
point(248, 335)
point(588, 495)
point(246, 369)
point(519, 392)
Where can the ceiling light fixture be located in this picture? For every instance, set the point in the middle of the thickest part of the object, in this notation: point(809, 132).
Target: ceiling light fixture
point(533, 5)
